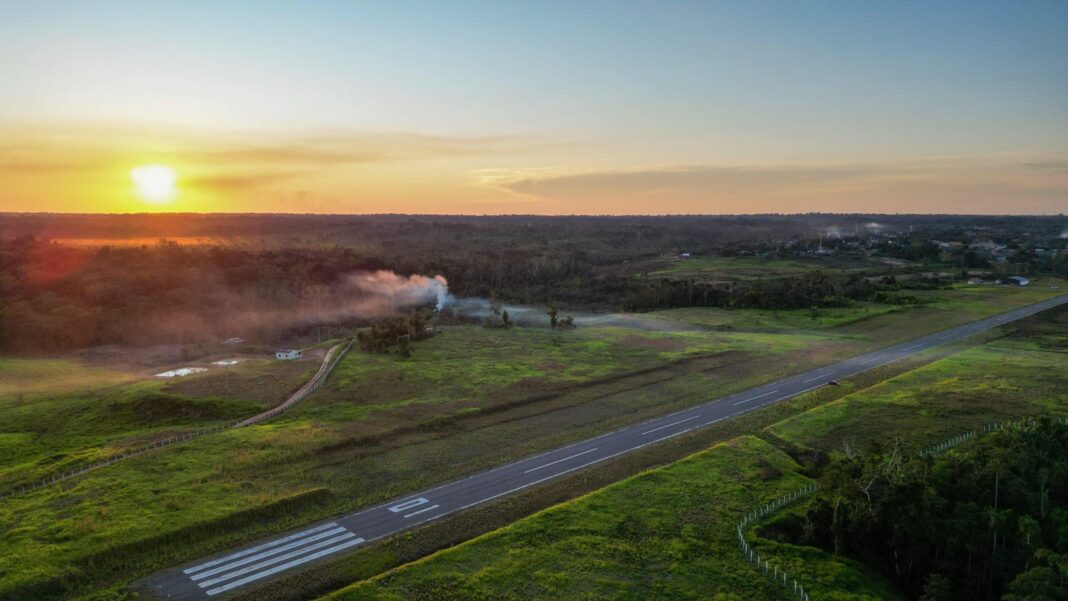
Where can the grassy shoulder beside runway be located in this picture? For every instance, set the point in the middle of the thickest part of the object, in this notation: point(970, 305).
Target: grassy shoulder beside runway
point(668, 533)
point(467, 400)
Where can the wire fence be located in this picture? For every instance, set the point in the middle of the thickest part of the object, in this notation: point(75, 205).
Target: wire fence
point(778, 574)
point(773, 571)
point(315, 383)
point(949, 443)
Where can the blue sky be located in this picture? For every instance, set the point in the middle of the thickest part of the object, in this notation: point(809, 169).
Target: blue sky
point(591, 87)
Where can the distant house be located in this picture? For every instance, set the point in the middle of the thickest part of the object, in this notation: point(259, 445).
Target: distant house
point(288, 354)
point(1017, 280)
point(975, 281)
point(684, 255)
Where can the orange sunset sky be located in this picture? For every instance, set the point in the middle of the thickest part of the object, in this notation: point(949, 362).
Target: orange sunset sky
point(547, 108)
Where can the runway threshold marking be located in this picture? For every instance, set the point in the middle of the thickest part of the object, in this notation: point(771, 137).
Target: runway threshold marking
point(276, 559)
point(669, 425)
point(257, 548)
point(284, 566)
point(759, 396)
point(534, 469)
point(273, 551)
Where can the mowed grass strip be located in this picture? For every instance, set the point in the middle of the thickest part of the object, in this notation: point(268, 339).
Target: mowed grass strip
point(980, 385)
point(663, 534)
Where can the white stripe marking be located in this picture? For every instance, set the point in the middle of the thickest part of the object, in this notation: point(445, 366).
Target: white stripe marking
point(913, 346)
point(534, 469)
point(421, 511)
point(867, 361)
point(759, 396)
point(819, 377)
point(259, 566)
point(284, 566)
point(399, 507)
point(257, 548)
point(671, 424)
point(268, 553)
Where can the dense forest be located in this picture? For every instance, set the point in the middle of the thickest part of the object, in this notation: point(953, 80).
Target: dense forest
point(270, 275)
point(986, 521)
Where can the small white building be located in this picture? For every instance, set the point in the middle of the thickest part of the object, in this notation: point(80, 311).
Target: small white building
point(288, 354)
point(1017, 280)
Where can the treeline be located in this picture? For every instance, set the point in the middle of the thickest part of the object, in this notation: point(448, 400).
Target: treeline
point(54, 297)
point(987, 521)
point(395, 333)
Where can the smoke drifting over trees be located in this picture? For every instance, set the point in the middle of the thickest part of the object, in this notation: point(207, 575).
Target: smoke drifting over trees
point(56, 297)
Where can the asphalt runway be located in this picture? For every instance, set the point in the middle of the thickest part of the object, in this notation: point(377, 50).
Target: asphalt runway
point(245, 567)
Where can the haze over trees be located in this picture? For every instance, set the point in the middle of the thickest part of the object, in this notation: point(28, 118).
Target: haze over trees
point(269, 276)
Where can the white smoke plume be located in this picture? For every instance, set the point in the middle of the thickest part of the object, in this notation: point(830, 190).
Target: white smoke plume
point(400, 292)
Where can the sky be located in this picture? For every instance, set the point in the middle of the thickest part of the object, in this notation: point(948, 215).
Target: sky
point(536, 107)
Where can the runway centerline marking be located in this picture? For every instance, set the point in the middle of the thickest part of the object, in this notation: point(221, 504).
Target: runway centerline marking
point(423, 510)
point(669, 425)
point(759, 396)
point(534, 469)
point(819, 377)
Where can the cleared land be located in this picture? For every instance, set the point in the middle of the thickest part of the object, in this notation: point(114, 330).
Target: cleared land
point(668, 533)
point(469, 399)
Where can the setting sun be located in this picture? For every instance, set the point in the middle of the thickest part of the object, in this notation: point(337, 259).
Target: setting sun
point(154, 183)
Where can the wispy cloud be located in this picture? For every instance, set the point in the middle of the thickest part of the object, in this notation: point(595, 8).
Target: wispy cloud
point(940, 184)
point(90, 147)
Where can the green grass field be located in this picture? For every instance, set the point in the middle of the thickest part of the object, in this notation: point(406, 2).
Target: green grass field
point(668, 533)
point(468, 399)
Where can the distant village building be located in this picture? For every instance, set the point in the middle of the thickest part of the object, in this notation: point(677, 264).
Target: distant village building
point(1017, 280)
point(684, 255)
point(288, 354)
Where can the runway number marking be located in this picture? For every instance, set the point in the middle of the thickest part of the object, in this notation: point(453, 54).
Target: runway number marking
point(423, 510)
point(405, 506)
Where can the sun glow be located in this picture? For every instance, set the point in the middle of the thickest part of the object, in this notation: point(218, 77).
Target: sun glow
point(154, 183)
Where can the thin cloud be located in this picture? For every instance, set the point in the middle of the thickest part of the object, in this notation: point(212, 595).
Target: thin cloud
point(1038, 184)
point(86, 149)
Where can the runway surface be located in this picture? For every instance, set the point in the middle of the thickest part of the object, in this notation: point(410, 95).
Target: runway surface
point(245, 567)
